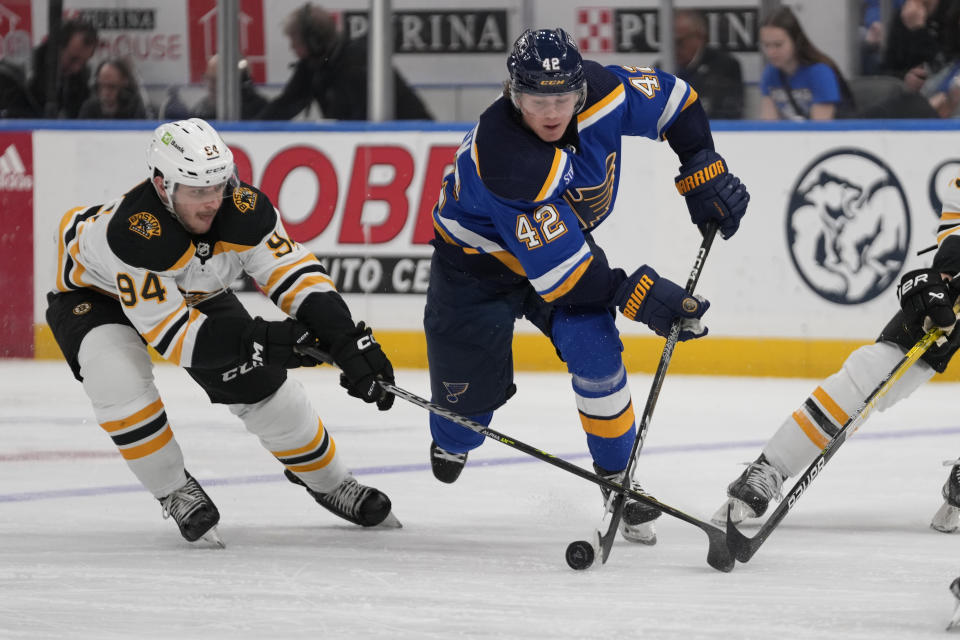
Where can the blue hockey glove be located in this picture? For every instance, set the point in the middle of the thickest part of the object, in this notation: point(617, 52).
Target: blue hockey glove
point(646, 297)
point(712, 192)
point(927, 299)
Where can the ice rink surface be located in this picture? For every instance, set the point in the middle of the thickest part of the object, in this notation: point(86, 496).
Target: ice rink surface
point(85, 554)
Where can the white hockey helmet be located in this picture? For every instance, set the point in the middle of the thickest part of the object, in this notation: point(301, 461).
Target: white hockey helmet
point(189, 153)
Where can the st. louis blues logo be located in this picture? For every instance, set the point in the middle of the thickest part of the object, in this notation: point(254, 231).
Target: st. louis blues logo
point(455, 390)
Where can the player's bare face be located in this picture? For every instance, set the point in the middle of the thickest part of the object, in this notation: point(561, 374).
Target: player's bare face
point(196, 207)
point(548, 115)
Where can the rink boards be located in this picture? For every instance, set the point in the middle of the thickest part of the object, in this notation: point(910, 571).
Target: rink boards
point(837, 213)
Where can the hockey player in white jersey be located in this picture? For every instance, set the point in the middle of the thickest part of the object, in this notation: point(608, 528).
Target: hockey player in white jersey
point(153, 267)
point(926, 300)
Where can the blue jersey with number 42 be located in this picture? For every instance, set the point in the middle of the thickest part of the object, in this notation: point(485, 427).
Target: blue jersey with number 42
point(527, 204)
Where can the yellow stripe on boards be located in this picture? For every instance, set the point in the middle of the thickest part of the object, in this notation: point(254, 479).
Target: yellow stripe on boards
point(713, 355)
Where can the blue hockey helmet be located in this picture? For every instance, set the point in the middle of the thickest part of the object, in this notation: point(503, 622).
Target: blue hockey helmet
point(546, 61)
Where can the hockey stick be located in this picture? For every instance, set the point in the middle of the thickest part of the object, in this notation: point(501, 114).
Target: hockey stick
point(614, 512)
point(743, 547)
point(718, 555)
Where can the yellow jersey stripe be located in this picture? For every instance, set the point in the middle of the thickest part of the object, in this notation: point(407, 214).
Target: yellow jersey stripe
point(551, 182)
point(166, 322)
point(178, 349)
point(280, 272)
point(570, 282)
point(586, 114)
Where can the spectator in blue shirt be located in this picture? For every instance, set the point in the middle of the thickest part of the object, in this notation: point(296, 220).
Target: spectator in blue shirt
point(799, 81)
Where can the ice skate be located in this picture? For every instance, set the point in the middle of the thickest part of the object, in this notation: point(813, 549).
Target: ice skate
point(445, 464)
point(750, 494)
point(360, 504)
point(194, 512)
point(947, 517)
point(955, 590)
point(636, 525)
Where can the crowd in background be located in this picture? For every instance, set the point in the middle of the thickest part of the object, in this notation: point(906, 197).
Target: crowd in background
point(908, 68)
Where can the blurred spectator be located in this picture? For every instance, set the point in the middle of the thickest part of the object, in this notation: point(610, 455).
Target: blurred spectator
point(873, 36)
point(332, 70)
point(15, 99)
point(914, 47)
point(713, 72)
point(251, 102)
point(799, 81)
point(932, 88)
point(117, 94)
point(78, 42)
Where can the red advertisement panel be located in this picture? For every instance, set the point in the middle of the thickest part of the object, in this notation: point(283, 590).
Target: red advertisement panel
point(202, 21)
point(15, 30)
point(16, 245)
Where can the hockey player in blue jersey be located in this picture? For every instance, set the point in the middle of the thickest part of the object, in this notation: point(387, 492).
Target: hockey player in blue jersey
point(513, 239)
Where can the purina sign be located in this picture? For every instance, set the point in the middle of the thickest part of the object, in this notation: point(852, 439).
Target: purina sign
point(609, 30)
point(440, 31)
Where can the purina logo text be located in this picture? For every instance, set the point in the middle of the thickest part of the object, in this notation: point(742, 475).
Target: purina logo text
point(13, 174)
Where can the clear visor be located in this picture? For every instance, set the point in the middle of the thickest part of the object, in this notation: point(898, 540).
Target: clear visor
point(188, 194)
point(543, 104)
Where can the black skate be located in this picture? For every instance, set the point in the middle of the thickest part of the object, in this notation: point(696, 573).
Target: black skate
point(955, 590)
point(947, 518)
point(360, 504)
point(193, 511)
point(636, 524)
point(446, 465)
point(750, 494)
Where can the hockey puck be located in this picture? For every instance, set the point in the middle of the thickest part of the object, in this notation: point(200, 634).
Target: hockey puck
point(580, 555)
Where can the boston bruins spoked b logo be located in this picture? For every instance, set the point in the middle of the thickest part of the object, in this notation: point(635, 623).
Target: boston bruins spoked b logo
point(848, 226)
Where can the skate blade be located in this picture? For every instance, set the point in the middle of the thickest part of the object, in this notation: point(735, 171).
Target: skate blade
point(212, 537)
point(955, 622)
point(946, 519)
point(639, 533)
point(739, 511)
point(391, 522)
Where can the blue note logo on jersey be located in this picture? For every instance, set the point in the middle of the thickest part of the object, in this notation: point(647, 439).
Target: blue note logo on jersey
point(455, 390)
point(848, 226)
point(592, 204)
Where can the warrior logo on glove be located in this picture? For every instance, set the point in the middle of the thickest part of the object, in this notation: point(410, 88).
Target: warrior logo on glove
point(686, 183)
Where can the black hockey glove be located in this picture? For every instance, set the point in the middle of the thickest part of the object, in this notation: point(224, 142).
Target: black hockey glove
point(712, 192)
point(646, 297)
point(927, 299)
point(273, 343)
point(363, 363)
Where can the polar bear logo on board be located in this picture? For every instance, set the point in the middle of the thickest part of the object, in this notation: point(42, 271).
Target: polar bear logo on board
point(848, 226)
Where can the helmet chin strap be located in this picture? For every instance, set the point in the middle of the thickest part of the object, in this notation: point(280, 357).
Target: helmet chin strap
point(167, 200)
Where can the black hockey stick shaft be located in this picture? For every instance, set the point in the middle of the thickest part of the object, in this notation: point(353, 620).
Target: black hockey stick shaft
point(616, 510)
point(743, 547)
point(718, 555)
